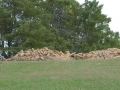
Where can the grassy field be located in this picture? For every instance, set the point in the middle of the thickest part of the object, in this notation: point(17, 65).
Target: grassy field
point(60, 75)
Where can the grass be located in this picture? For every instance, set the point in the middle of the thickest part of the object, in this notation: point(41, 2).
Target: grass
point(60, 75)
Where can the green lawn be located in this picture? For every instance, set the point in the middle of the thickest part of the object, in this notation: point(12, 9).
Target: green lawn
point(60, 75)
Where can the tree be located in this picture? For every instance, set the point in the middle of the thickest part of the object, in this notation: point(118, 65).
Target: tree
point(35, 35)
point(57, 24)
point(8, 22)
point(63, 14)
point(91, 28)
point(27, 25)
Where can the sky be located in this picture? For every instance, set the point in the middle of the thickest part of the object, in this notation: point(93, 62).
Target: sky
point(111, 9)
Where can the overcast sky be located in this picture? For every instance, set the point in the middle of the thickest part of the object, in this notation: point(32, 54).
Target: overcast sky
point(111, 9)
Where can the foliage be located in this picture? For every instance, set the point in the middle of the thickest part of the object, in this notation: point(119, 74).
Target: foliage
point(57, 24)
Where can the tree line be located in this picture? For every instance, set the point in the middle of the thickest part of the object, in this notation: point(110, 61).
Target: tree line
point(56, 24)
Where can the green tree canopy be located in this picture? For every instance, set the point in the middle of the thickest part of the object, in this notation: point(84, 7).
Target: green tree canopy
point(57, 24)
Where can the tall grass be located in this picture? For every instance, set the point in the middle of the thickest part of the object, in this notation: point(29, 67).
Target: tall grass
point(60, 75)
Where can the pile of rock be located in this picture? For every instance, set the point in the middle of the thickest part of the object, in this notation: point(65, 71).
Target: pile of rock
point(99, 54)
point(41, 54)
point(47, 54)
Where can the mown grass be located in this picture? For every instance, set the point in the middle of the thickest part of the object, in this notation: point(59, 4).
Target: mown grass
point(60, 75)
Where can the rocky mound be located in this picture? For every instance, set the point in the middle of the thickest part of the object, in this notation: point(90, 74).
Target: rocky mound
point(99, 54)
point(47, 54)
point(41, 54)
